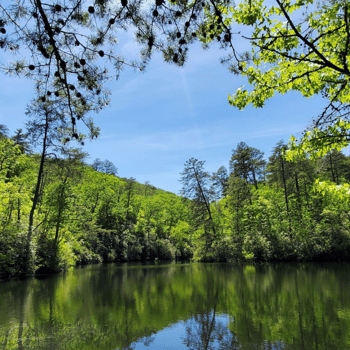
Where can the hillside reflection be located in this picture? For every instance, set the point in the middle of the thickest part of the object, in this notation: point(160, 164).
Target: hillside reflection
point(199, 306)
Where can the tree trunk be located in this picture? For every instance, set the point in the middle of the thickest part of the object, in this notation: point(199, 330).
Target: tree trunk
point(285, 190)
point(254, 179)
point(36, 199)
point(18, 210)
point(298, 194)
point(207, 205)
point(332, 169)
point(284, 184)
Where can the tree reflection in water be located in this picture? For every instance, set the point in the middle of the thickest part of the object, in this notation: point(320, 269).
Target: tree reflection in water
point(180, 307)
point(205, 331)
point(209, 331)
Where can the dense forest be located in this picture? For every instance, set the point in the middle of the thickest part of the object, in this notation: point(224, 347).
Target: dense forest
point(65, 212)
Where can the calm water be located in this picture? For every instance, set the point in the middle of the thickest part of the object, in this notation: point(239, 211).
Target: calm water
point(180, 306)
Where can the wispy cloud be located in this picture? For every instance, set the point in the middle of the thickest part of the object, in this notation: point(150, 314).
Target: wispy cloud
point(196, 138)
point(196, 134)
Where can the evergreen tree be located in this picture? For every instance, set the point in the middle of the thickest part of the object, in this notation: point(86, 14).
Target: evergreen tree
point(196, 186)
point(336, 165)
point(278, 169)
point(70, 44)
point(21, 139)
point(3, 131)
point(247, 163)
point(220, 182)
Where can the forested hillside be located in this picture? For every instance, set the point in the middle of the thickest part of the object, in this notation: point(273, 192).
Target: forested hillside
point(68, 213)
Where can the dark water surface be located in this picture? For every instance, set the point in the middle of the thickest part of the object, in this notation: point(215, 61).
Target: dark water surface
point(180, 306)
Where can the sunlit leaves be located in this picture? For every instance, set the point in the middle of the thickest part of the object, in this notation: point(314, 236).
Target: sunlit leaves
point(336, 192)
point(310, 57)
point(317, 143)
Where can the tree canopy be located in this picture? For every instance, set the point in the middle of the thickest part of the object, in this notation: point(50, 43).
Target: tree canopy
point(301, 46)
point(70, 48)
point(296, 45)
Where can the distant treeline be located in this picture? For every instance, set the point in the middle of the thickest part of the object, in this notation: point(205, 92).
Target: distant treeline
point(56, 211)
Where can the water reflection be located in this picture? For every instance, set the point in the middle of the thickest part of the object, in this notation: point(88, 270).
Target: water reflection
point(201, 332)
point(209, 331)
point(198, 306)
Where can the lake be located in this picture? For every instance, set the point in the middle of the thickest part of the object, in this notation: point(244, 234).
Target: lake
point(180, 306)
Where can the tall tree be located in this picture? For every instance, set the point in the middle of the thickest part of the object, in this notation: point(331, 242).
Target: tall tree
point(279, 169)
point(335, 166)
point(247, 163)
point(129, 189)
point(295, 178)
point(20, 139)
point(57, 209)
point(196, 186)
point(239, 197)
point(45, 129)
point(10, 168)
point(220, 182)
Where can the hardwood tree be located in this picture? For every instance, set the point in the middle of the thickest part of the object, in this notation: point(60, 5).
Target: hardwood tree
point(302, 46)
point(296, 45)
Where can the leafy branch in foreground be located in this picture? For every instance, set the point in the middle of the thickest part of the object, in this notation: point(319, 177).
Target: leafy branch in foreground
point(319, 142)
point(299, 46)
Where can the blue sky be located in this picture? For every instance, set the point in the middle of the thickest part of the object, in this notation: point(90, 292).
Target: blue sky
point(159, 119)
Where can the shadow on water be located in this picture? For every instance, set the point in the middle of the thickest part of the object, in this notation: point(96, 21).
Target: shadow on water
point(180, 306)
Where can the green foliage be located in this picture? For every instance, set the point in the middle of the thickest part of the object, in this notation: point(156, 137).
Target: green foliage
point(9, 157)
point(319, 142)
point(76, 213)
point(84, 216)
point(301, 46)
point(316, 42)
point(51, 257)
point(263, 212)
